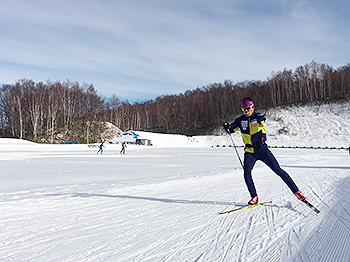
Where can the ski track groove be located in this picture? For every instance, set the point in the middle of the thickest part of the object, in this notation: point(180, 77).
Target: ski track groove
point(330, 240)
point(246, 235)
point(270, 232)
point(227, 231)
point(245, 238)
point(185, 243)
point(221, 234)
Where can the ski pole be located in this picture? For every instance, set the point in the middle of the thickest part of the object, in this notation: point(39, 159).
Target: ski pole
point(236, 150)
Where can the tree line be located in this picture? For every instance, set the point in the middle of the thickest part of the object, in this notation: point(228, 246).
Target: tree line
point(55, 111)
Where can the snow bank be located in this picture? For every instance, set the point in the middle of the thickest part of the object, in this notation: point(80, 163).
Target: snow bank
point(14, 141)
point(169, 140)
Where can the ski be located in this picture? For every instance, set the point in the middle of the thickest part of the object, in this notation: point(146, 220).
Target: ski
point(311, 206)
point(245, 207)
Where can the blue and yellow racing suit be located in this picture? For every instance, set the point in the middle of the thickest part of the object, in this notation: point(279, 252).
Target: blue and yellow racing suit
point(253, 131)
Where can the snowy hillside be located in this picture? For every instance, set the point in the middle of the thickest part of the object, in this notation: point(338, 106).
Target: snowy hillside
point(303, 126)
point(317, 126)
point(161, 202)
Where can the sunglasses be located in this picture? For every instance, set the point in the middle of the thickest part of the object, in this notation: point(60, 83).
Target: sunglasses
point(247, 107)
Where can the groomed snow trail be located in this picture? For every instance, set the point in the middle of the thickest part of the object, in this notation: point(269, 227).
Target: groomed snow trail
point(66, 203)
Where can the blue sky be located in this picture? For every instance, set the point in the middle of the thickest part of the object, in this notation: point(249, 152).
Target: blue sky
point(141, 49)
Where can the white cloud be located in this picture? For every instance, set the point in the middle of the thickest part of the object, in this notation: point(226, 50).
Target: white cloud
point(142, 49)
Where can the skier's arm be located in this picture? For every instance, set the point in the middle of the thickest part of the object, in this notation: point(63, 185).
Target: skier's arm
point(233, 127)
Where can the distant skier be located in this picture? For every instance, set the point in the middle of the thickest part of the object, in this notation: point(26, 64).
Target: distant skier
point(101, 148)
point(253, 130)
point(349, 150)
point(123, 148)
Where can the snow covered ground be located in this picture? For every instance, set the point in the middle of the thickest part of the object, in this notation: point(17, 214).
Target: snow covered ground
point(161, 203)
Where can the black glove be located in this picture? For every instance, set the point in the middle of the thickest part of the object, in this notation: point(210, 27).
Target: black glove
point(227, 128)
point(261, 117)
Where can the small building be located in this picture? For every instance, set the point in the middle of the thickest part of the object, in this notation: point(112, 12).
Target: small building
point(145, 142)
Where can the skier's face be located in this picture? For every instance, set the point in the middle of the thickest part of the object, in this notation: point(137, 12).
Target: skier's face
point(248, 111)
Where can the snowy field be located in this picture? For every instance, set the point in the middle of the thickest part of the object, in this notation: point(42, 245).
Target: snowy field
point(161, 203)
point(66, 203)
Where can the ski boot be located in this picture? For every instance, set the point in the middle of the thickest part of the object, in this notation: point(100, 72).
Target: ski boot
point(253, 201)
point(299, 196)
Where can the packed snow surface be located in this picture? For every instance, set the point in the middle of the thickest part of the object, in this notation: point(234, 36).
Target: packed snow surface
point(161, 202)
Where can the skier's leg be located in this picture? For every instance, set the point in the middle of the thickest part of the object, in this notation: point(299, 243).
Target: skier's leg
point(249, 162)
point(269, 159)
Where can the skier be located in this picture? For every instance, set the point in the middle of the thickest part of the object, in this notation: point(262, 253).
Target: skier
point(123, 148)
point(253, 131)
point(101, 148)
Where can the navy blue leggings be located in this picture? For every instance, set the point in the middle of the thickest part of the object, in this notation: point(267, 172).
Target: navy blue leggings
point(265, 155)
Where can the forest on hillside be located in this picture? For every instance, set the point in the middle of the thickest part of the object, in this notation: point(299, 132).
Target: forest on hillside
point(55, 111)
